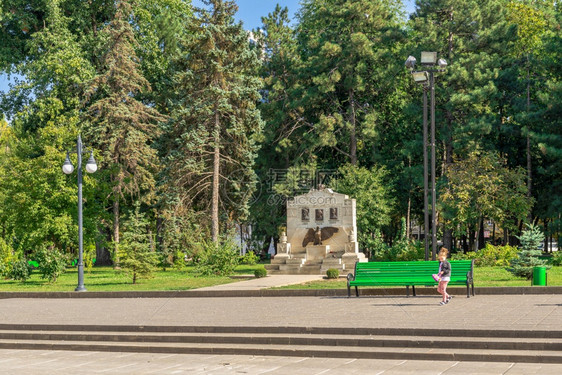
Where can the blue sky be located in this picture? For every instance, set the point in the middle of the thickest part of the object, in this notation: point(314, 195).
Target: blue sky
point(250, 13)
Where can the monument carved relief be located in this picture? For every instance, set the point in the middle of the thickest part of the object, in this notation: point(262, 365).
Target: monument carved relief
point(316, 236)
point(323, 232)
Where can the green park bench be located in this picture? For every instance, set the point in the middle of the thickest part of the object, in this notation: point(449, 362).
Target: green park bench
point(409, 274)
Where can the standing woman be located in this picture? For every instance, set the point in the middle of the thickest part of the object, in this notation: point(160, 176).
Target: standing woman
point(444, 275)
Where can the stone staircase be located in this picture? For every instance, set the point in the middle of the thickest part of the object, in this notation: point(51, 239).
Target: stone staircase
point(522, 346)
point(298, 264)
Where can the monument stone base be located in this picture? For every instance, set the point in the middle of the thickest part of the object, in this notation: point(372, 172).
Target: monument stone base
point(317, 252)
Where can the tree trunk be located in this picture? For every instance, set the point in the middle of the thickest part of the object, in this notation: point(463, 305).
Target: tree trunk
point(545, 231)
point(116, 231)
point(216, 179)
point(448, 232)
point(529, 165)
point(353, 136)
point(408, 217)
point(481, 239)
point(159, 229)
point(471, 235)
point(103, 256)
point(150, 238)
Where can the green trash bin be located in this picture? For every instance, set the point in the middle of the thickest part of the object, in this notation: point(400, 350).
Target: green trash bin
point(539, 276)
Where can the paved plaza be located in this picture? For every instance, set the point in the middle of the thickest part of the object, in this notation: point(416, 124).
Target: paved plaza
point(30, 362)
point(484, 312)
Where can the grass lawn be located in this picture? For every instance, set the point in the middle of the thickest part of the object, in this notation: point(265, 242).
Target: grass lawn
point(108, 279)
point(483, 276)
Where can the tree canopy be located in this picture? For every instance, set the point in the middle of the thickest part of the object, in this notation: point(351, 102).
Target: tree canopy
point(212, 127)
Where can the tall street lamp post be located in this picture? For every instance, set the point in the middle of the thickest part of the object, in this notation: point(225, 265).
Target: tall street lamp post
point(426, 78)
point(68, 168)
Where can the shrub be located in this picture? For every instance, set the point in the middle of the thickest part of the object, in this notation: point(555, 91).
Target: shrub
point(136, 256)
point(412, 251)
point(462, 256)
point(52, 263)
point(217, 259)
point(490, 256)
point(6, 258)
point(499, 256)
point(332, 273)
point(260, 272)
point(21, 270)
point(557, 258)
point(250, 258)
point(528, 257)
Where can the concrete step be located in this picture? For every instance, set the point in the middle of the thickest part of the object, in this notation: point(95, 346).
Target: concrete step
point(295, 339)
point(331, 342)
point(352, 331)
point(525, 356)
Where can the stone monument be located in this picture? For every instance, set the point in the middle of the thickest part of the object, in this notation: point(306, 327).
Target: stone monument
point(321, 234)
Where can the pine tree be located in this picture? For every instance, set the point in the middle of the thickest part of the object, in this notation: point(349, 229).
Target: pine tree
point(135, 255)
point(285, 133)
point(530, 26)
point(120, 126)
point(528, 257)
point(472, 36)
point(281, 104)
point(349, 65)
point(216, 124)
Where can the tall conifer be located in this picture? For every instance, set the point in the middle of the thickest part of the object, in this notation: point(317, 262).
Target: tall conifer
point(120, 126)
point(216, 122)
point(348, 48)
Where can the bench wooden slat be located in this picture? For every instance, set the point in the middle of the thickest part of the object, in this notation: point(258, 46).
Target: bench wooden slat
point(409, 274)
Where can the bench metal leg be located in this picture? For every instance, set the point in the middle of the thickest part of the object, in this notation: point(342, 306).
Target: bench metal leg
point(348, 291)
point(414, 290)
point(356, 292)
point(407, 290)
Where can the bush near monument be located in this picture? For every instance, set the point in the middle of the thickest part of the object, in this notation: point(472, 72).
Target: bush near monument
point(332, 273)
point(260, 272)
point(217, 259)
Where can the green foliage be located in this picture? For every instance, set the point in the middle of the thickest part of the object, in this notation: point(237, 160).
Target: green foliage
point(212, 141)
point(557, 258)
point(333, 90)
point(374, 201)
point(217, 259)
point(528, 256)
point(483, 186)
point(332, 273)
point(490, 256)
point(6, 258)
point(21, 269)
point(52, 263)
point(260, 272)
point(136, 256)
point(414, 250)
point(250, 258)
